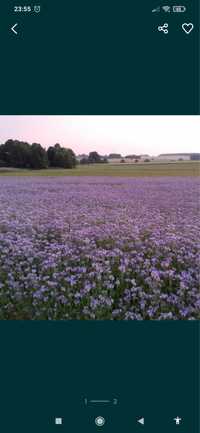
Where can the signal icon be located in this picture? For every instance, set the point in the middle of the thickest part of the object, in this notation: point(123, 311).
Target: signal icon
point(156, 9)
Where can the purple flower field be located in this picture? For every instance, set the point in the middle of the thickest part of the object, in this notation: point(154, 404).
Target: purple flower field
point(99, 248)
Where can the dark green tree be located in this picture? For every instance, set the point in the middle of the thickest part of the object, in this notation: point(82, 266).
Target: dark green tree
point(38, 157)
point(51, 156)
point(94, 158)
point(61, 157)
point(15, 153)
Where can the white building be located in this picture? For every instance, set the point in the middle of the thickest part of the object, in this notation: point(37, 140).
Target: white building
point(174, 156)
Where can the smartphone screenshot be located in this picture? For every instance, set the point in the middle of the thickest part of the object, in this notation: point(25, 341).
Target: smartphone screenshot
point(100, 216)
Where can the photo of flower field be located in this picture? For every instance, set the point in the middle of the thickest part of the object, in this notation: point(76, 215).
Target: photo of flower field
point(99, 248)
point(98, 240)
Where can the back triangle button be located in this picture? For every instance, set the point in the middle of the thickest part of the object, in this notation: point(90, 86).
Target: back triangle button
point(141, 421)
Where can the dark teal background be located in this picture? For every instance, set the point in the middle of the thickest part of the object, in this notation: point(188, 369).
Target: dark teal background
point(99, 57)
point(48, 368)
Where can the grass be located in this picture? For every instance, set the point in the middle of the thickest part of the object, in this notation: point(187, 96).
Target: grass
point(189, 168)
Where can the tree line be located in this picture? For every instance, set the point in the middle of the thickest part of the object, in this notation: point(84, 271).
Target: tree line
point(20, 154)
point(93, 158)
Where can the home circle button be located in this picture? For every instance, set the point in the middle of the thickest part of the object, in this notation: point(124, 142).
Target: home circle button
point(100, 421)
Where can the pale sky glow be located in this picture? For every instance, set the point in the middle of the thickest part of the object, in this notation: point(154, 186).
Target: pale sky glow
point(107, 134)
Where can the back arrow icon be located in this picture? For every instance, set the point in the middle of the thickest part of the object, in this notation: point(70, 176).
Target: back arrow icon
point(141, 421)
point(13, 28)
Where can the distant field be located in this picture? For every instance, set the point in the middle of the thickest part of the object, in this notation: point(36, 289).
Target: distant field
point(134, 170)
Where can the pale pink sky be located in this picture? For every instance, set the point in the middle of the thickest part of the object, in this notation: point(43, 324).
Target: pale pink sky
point(107, 134)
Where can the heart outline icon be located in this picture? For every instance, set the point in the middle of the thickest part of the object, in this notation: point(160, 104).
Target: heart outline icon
point(187, 27)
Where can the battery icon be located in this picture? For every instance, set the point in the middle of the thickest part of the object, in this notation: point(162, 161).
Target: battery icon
point(179, 8)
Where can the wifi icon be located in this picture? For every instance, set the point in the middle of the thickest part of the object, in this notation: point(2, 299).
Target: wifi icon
point(166, 8)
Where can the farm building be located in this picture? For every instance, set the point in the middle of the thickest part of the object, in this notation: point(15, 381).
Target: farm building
point(178, 156)
point(129, 159)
